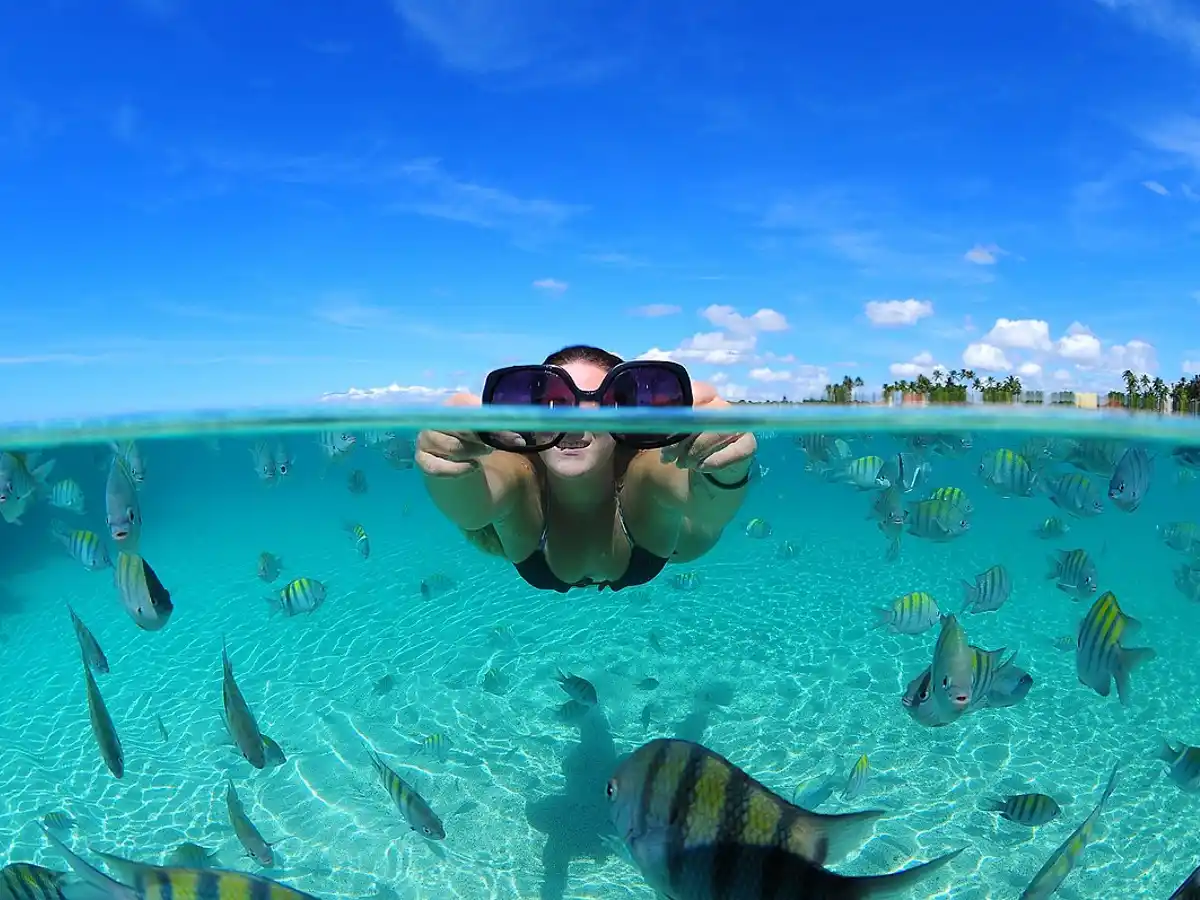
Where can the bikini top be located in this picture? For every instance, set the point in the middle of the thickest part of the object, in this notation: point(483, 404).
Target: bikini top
point(643, 565)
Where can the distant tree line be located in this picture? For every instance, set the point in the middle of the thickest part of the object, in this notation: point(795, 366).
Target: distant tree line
point(952, 386)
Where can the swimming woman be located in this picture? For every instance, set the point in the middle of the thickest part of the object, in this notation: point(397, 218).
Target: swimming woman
point(589, 509)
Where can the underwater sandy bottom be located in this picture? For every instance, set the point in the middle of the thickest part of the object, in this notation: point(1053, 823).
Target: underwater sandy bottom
point(770, 662)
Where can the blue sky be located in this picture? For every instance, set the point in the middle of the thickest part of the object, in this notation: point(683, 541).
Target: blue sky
point(206, 207)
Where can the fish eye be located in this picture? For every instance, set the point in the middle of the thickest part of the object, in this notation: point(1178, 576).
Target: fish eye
point(427, 829)
point(946, 681)
point(611, 788)
point(283, 469)
point(923, 694)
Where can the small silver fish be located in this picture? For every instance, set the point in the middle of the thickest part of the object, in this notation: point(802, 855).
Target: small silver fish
point(239, 720)
point(103, 729)
point(952, 670)
point(93, 656)
point(247, 834)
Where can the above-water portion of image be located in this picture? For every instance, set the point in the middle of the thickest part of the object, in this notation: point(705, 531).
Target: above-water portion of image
point(956, 663)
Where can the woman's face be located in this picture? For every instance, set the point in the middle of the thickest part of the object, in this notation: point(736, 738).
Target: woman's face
point(582, 452)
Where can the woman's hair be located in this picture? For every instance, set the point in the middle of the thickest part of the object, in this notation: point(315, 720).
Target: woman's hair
point(486, 538)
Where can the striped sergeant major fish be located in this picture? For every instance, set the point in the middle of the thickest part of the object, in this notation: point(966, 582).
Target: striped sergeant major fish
point(169, 883)
point(417, 813)
point(699, 828)
point(239, 720)
point(1064, 860)
point(1100, 657)
point(26, 881)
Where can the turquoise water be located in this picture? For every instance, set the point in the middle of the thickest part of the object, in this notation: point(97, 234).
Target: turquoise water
point(764, 653)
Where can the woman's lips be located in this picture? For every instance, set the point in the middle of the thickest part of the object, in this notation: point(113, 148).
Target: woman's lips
point(574, 442)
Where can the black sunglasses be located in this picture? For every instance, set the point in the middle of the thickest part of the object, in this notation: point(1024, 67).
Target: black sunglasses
point(636, 384)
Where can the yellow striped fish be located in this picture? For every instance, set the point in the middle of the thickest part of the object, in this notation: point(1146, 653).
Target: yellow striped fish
point(858, 778)
point(85, 547)
point(362, 543)
point(25, 881)
point(142, 594)
point(1030, 810)
point(1063, 860)
point(914, 613)
point(300, 595)
point(169, 883)
point(436, 745)
point(699, 828)
point(1099, 657)
point(955, 496)
point(420, 816)
point(1007, 473)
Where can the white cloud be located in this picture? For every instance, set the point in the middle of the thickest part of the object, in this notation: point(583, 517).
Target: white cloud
point(729, 319)
point(983, 254)
point(769, 375)
point(1080, 347)
point(897, 312)
point(1063, 376)
point(732, 391)
point(921, 364)
point(393, 392)
point(1191, 366)
point(712, 347)
point(985, 357)
point(1136, 355)
point(1156, 188)
point(1189, 193)
point(656, 310)
point(551, 285)
point(1019, 334)
point(1029, 370)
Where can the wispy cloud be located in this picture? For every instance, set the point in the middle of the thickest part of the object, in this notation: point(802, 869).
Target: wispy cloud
point(983, 254)
point(656, 310)
point(1168, 19)
point(419, 186)
point(1178, 137)
point(125, 123)
point(1155, 188)
point(447, 197)
point(347, 311)
point(533, 42)
point(617, 260)
point(551, 286)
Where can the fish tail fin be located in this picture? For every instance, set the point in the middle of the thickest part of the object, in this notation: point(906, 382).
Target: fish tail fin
point(59, 529)
point(273, 605)
point(897, 884)
point(88, 882)
point(1166, 752)
point(1129, 659)
point(843, 834)
point(993, 804)
point(883, 616)
point(969, 594)
point(42, 472)
point(893, 550)
point(1055, 564)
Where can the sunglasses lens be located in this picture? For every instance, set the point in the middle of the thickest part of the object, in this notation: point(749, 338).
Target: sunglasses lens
point(527, 387)
point(647, 386)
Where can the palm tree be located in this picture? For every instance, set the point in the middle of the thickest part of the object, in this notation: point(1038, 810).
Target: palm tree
point(1131, 383)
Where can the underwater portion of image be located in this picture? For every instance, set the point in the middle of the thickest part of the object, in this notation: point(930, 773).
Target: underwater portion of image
point(914, 665)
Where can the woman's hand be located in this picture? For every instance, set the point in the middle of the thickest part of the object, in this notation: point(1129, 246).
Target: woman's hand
point(446, 454)
point(712, 451)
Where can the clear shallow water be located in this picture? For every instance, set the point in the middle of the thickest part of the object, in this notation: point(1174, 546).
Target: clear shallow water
point(769, 659)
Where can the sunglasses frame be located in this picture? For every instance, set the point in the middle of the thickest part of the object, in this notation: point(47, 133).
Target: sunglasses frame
point(630, 439)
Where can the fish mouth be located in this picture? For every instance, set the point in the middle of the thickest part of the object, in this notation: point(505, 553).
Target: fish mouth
point(119, 534)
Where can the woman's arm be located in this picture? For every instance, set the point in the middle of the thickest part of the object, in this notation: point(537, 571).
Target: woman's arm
point(471, 486)
point(679, 505)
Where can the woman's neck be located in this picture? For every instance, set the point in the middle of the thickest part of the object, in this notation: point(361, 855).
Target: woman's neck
point(583, 494)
